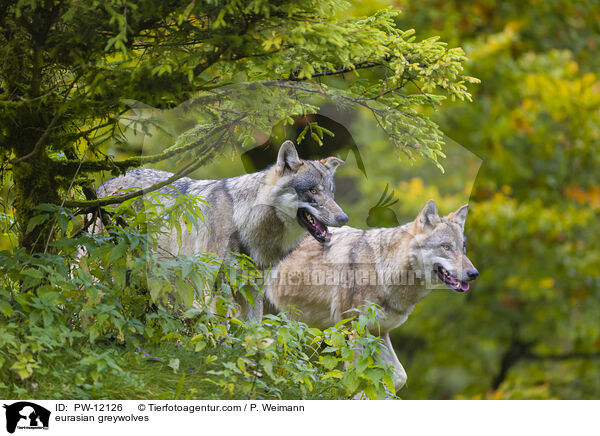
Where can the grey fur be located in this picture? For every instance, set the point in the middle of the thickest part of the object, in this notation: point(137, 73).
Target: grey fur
point(391, 267)
point(254, 214)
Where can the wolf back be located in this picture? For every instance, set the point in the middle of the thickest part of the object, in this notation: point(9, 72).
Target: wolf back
point(262, 215)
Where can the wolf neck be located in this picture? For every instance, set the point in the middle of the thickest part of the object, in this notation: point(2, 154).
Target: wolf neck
point(267, 229)
point(403, 295)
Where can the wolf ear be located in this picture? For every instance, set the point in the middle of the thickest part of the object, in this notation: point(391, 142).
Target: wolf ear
point(288, 157)
point(331, 163)
point(428, 218)
point(459, 216)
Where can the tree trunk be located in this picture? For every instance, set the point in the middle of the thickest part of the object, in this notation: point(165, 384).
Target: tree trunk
point(34, 181)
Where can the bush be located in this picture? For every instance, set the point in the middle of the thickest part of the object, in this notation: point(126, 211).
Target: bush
point(107, 313)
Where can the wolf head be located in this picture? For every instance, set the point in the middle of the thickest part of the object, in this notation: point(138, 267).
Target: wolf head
point(309, 190)
point(442, 246)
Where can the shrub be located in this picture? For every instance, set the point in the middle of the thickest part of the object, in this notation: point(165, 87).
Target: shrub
point(107, 313)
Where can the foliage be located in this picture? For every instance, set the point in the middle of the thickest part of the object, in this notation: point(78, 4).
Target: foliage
point(71, 70)
point(75, 76)
point(529, 329)
point(89, 313)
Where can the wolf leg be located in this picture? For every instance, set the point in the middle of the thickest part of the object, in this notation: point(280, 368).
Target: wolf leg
point(249, 311)
point(389, 356)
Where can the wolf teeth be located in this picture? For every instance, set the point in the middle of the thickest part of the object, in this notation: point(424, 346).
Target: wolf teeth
point(309, 218)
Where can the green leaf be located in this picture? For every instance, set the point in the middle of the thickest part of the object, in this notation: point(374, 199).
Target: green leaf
point(337, 339)
point(335, 373)
point(179, 387)
point(370, 392)
point(389, 383)
point(283, 335)
point(5, 308)
point(119, 275)
point(350, 382)
point(33, 273)
point(117, 252)
point(328, 362)
point(36, 221)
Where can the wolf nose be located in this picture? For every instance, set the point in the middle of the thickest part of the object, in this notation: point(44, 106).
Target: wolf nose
point(341, 219)
point(473, 274)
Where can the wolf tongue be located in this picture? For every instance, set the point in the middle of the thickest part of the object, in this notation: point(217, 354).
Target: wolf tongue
point(464, 286)
point(319, 227)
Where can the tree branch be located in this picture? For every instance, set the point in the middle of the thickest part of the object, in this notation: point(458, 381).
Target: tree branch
point(360, 101)
point(519, 350)
point(116, 199)
point(364, 65)
point(38, 144)
point(562, 356)
point(84, 133)
point(515, 352)
point(136, 161)
point(208, 150)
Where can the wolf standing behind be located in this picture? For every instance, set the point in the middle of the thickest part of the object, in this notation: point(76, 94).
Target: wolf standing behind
point(391, 267)
point(263, 215)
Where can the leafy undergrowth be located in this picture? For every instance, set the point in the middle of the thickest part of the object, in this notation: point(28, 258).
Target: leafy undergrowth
point(160, 373)
point(276, 359)
point(101, 316)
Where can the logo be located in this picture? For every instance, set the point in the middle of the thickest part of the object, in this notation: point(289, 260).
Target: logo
point(26, 415)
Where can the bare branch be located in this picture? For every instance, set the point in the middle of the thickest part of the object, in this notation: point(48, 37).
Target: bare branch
point(38, 144)
point(136, 161)
point(208, 150)
point(562, 356)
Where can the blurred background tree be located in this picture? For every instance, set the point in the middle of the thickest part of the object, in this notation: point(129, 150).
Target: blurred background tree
point(530, 327)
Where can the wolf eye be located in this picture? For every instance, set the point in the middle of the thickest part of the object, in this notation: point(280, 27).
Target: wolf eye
point(313, 191)
point(446, 247)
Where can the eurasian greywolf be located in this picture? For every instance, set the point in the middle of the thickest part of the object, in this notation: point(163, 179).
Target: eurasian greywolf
point(263, 215)
point(394, 268)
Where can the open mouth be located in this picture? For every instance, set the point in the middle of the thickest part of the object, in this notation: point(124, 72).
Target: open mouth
point(451, 281)
point(315, 227)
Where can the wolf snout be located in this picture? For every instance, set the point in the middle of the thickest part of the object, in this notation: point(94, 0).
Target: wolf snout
point(472, 274)
point(341, 219)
